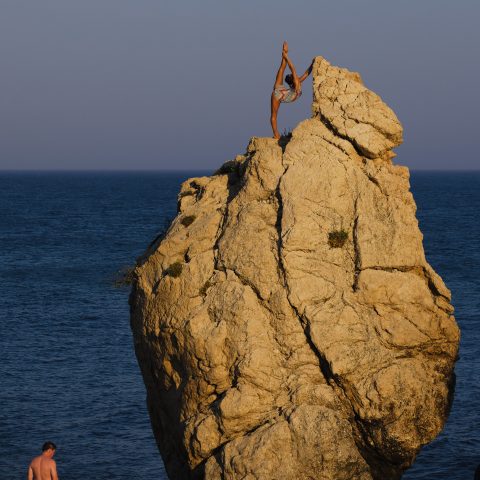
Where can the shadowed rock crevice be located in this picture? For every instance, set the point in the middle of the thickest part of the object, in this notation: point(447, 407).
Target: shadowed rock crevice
point(358, 148)
point(325, 369)
point(272, 352)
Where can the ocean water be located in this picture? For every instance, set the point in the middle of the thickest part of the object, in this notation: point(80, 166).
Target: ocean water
point(68, 372)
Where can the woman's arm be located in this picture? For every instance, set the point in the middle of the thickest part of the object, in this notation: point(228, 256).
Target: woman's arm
point(296, 80)
point(308, 71)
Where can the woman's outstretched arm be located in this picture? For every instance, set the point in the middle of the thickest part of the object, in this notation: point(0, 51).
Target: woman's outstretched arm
point(308, 71)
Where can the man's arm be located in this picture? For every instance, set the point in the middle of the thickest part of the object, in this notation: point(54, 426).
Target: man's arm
point(308, 71)
point(53, 470)
point(30, 472)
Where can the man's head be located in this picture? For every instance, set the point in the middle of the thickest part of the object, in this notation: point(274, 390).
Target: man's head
point(289, 79)
point(49, 449)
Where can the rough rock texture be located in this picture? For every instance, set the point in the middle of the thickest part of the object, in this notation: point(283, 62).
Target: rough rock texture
point(267, 352)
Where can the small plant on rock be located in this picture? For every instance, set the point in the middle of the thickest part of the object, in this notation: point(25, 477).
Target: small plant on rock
point(174, 270)
point(205, 287)
point(124, 277)
point(228, 167)
point(337, 238)
point(188, 220)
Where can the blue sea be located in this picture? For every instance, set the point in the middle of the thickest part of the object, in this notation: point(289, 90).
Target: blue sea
point(68, 371)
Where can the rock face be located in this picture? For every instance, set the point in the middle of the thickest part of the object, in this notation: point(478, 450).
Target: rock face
point(288, 325)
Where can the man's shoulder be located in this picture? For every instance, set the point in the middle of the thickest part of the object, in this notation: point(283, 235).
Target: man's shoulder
point(42, 459)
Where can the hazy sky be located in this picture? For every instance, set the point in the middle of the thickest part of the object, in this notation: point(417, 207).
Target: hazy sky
point(157, 84)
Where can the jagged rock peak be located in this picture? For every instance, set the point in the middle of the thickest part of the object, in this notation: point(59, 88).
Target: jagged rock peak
point(342, 101)
point(288, 325)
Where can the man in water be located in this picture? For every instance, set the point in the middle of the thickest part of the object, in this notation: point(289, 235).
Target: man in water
point(44, 467)
point(282, 93)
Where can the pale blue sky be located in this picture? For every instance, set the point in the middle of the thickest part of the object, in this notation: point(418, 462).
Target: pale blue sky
point(159, 84)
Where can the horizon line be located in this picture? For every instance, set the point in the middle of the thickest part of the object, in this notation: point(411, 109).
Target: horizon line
point(185, 170)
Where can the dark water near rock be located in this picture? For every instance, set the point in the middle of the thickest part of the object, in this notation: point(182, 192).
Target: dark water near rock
point(68, 371)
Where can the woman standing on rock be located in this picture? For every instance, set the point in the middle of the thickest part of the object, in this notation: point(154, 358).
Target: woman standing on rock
point(283, 94)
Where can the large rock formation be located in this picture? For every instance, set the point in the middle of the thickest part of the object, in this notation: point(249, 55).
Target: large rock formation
point(288, 325)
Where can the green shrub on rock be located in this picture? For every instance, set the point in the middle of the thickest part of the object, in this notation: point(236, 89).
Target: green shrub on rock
point(188, 220)
point(337, 238)
point(174, 270)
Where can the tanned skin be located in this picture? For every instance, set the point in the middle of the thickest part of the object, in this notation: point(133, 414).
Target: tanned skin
point(295, 84)
point(43, 467)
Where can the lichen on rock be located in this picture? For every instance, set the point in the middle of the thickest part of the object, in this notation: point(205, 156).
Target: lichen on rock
point(272, 355)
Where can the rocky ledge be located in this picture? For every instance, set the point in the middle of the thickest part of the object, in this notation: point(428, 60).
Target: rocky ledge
point(288, 325)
